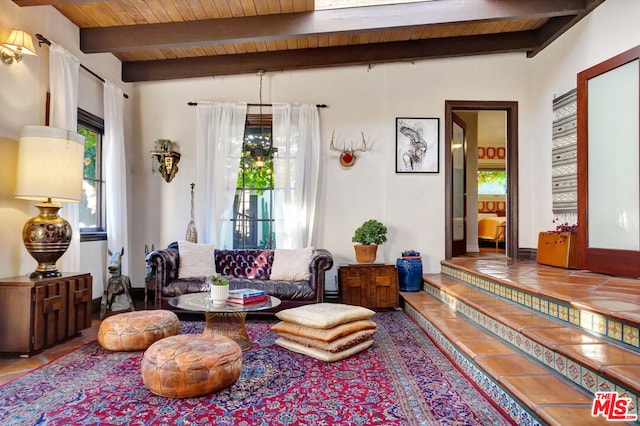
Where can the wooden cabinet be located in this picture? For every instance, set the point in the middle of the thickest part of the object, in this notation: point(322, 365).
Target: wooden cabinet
point(36, 313)
point(368, 285)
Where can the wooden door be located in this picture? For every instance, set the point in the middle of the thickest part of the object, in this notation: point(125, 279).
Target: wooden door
point(609, 166)
point(459, 179)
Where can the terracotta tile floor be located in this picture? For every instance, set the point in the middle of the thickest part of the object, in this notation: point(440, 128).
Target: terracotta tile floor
point(12, 367)
point(556, 403)
point(619, 297)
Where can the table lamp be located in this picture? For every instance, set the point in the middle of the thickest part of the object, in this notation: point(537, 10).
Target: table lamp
point(50, 169)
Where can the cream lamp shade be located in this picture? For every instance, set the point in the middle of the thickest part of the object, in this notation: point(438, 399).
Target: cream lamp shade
point(21, 42)
point(50, 164)
point(50, 169)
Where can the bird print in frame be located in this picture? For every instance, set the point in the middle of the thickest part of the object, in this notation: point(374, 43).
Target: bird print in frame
point(417, 145)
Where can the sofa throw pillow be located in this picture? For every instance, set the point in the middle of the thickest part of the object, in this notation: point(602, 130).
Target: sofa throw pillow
point(196, 260)
point(291, 264)
point(324, 315)
point(319, 353)
point(328, 335)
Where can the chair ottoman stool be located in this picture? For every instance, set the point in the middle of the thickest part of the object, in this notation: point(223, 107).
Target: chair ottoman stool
point(191, 365)
point(135, 331)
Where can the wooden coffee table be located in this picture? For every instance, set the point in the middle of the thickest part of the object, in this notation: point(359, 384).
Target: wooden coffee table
point(226, 319)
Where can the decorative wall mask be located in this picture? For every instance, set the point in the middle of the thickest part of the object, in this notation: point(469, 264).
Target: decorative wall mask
point(348, 156)
point(168, 159)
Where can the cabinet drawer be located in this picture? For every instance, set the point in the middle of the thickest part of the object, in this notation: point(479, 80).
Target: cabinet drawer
point(80, 290)
point(49, 314)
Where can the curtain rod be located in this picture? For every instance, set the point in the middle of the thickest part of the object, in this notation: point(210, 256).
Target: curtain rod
point(191, 103)
point(43, 40)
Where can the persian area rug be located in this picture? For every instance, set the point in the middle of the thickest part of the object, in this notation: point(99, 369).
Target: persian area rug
point(403, 379)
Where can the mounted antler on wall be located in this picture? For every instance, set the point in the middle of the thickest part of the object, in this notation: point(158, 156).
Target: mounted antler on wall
point(348, 156)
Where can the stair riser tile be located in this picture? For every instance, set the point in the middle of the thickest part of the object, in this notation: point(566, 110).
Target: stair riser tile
point(588, 380)
point(618, 331)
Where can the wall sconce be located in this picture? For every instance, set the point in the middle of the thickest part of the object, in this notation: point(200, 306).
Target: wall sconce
point(167, 159)
point(18, 43)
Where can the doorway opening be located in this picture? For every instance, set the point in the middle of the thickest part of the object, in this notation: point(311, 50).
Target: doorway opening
point(481, 151)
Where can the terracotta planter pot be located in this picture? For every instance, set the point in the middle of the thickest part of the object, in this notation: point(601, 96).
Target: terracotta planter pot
point(366, 253)
point(557, 249)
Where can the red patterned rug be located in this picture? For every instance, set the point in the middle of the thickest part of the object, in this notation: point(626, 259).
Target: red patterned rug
point(403, 379)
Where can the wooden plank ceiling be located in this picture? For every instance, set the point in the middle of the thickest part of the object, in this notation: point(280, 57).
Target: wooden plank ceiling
point(168, 39)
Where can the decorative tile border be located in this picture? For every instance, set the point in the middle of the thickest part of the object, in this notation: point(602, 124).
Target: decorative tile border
point(582, 376)
point(511, 406)
point(617, 331)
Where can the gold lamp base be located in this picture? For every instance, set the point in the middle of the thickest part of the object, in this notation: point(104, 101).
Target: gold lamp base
point(46, 238)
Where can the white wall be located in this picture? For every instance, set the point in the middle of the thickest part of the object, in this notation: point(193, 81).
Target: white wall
point(365, 99)
point(23, 88)
point(610, 29)
point(359, 99)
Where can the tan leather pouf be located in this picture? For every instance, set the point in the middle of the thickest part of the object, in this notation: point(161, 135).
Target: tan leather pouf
point(191, 365)
point(136, 331)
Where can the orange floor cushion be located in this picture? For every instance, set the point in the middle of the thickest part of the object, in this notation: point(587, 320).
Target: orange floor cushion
point(136, 331)
point(191, 365)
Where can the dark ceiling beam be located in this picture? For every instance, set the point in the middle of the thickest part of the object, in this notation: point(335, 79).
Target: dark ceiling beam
point(303, 24)
point(555, 27)
point(328, 56)
point(550, 31)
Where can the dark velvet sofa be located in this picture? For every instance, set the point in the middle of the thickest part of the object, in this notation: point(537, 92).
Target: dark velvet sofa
point(243, 269)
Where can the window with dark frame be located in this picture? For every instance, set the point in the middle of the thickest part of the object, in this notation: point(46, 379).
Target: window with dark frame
point(253, 226)
point(92, 206)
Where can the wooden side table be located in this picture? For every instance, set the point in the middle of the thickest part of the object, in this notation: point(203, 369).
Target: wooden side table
point(36, 313)
point(372, 285)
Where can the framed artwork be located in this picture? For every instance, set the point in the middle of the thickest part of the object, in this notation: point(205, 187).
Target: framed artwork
point(417, 145)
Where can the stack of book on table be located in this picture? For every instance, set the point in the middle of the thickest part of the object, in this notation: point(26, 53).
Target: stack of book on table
point(244, 296)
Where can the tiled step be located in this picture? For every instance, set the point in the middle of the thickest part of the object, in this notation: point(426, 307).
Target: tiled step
point(536, 367)
point(512, 380)
point(600, 304)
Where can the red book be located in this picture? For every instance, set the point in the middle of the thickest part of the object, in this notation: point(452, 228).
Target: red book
point(249, 300)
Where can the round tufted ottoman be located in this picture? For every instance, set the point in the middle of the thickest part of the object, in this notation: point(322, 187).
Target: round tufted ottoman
point(135, 331)
point(191, 365)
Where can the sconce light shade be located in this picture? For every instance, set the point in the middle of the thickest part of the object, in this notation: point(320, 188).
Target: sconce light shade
point(21, 42)
point(50, 169)
point(18, 43)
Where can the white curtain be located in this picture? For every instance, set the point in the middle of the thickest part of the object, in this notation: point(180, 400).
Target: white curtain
point(116, 170)
point(220, 133)
point(63, 84)
point(296, 135)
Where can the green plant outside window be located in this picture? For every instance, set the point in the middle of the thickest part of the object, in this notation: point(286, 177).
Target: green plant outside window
point(492, 182)
point(253, 204)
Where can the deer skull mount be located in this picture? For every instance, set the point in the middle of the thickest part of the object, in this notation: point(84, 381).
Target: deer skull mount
point(348, 156)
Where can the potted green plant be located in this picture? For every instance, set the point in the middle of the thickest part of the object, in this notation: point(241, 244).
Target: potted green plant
point(369, 236)
point(558, 247)
point(218, 288)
